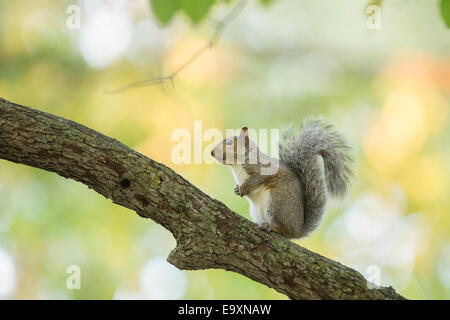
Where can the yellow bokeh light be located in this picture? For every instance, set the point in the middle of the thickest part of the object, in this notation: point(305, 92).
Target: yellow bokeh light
point(422, 178)
point(215, 63)
point(411, 113)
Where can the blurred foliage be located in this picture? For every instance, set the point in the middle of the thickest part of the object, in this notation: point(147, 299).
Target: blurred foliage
point(445, 11)
point(164, 10)
point(387, 90)
point(196, 10)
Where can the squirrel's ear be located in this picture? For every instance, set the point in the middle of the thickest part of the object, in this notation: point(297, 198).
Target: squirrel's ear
point(244, 131)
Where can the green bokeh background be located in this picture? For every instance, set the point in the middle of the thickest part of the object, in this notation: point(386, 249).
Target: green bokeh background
point(387, 90)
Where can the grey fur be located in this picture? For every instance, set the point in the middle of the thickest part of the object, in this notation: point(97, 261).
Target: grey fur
point(292, 200)
point(300, 151)
point(286, 204)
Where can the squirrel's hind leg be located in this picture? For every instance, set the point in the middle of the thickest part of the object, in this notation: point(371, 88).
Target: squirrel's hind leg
point(286, 217)
point(264, 227)
point(267, 227)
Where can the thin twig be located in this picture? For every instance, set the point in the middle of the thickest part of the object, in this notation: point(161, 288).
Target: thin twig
point(219, 28)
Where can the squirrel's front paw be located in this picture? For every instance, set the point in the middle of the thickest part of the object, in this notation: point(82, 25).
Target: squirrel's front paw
point(240, 190)
point(237, 190)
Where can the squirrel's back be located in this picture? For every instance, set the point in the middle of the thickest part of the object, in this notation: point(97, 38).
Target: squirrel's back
point(300, 151)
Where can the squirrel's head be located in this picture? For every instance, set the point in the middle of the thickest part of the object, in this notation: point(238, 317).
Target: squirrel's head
point(235, 149)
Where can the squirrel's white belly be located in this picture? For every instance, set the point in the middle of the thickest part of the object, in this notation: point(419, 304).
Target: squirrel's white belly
point(259, 197)
point(259, 203)
point(239, 174)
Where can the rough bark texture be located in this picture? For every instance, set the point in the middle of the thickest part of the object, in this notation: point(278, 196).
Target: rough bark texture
point(208, 234)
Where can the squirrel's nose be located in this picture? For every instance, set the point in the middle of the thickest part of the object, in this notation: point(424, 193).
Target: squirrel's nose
point(213, 153)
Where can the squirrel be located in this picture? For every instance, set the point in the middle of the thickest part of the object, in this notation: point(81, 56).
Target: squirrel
point(292, 200)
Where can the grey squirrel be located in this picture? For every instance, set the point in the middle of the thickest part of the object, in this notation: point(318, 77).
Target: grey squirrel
point(292, 200)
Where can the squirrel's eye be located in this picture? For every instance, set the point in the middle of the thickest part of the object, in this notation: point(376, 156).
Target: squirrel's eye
point(229, 142)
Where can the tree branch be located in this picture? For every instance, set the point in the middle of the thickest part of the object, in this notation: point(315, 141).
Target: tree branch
point(208, 234)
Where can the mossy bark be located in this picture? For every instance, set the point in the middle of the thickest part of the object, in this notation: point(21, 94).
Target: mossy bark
point(208, 234)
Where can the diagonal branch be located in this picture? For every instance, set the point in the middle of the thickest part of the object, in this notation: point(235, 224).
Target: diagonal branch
point(208, 234)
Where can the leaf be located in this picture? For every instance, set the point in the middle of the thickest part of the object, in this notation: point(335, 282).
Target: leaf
point(196, 9)
point(375, 3)
point(445, 11)
point(266, 2)
point(164, 10)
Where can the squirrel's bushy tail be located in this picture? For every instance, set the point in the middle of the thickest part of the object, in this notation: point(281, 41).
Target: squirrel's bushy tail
point(300, 151)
